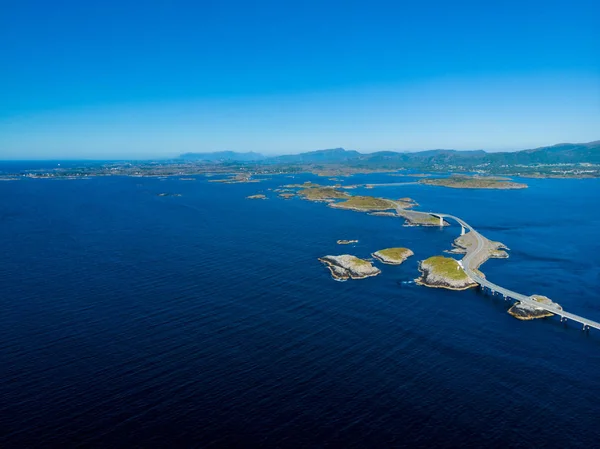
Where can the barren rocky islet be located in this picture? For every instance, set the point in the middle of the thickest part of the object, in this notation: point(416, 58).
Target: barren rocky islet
point(527, 312)
point(346, 242)
point(346, 266)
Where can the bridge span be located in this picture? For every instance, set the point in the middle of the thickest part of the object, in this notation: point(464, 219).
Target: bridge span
point(468, 265)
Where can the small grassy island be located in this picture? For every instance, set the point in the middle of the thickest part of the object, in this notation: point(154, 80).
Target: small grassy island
point(346, 242)
point(347, 266)
point(393, 256)
point(443, 272)
point(473, 182)
point(527, 312)
point(306, 185)
point(365, 204)
point(326, 194)
point(257, 197)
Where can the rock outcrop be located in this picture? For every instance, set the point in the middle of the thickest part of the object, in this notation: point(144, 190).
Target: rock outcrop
point(347, 266)
point(526, 312)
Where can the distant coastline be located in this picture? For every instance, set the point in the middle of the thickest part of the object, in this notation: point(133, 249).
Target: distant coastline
point(562, 161)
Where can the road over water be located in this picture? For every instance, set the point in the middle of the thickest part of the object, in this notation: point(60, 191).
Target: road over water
point(470, 267)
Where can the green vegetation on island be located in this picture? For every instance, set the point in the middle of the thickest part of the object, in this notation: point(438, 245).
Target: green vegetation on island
point(443, 272)
point(393, 256)
point(306, 185)
point(473, 182)
point(322, 194)
point(365, 203)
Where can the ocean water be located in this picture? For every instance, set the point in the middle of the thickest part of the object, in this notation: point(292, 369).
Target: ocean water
point(133, 320)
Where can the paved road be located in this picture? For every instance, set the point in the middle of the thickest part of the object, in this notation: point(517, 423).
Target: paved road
point(468, 266)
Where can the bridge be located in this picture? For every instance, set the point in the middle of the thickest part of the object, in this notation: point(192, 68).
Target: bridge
point(467, 263)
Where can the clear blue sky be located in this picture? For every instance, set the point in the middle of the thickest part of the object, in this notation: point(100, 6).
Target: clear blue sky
point(111, 79)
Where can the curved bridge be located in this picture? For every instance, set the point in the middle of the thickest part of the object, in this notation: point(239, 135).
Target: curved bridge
point(467, 264)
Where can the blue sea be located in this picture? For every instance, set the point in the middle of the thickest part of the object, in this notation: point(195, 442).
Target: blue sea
point(133, 320)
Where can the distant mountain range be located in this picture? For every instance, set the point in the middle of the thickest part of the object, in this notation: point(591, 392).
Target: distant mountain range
point(561, 153)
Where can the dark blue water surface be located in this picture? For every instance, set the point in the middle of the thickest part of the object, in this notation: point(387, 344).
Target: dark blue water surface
point(133, 320)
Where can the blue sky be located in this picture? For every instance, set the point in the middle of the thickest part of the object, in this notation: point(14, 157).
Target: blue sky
point(154, 79)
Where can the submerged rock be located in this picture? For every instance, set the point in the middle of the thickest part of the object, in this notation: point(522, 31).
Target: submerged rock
point(347, 266)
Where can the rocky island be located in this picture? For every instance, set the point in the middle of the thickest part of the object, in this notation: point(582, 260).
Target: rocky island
point(473, 182)
point(365, 204)
point(257, 197)
point(393, 256)
point(325, 194)
point(306, 185)
point(347, 266)
point(346, 242)
point(526, 312)
point(443, 272)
